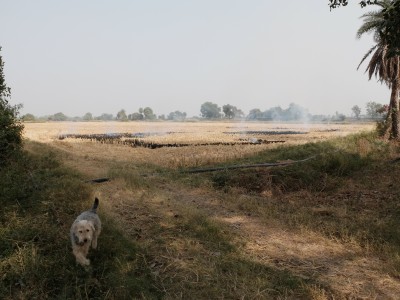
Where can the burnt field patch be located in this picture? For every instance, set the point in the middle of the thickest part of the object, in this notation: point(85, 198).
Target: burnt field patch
point(139, 140)
point(266, 132)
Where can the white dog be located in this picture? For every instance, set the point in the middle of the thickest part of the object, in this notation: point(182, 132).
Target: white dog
point(84, 233)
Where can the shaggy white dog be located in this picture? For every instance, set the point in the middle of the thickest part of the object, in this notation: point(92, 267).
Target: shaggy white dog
point(84, 233)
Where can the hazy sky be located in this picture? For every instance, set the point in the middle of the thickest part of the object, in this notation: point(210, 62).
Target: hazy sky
point(102, 56)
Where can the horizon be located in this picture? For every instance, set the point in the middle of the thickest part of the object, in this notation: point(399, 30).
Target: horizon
point(76, 57)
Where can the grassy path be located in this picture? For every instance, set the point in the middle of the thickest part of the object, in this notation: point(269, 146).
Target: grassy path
point(205, 243)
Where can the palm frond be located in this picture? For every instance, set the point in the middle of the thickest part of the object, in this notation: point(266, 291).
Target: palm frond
point(366, 55)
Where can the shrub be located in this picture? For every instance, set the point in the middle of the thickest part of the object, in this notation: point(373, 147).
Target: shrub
point(10, 127)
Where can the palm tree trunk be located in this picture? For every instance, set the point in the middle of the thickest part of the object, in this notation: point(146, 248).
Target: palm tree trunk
point(394, 103)
point(387, 125)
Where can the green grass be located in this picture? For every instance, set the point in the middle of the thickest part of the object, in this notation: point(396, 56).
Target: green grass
point(348, 193)
point(330, 163)
point(40, 199)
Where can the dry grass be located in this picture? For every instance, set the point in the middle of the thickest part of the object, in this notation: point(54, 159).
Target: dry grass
point(200, 132)
point(251, 234)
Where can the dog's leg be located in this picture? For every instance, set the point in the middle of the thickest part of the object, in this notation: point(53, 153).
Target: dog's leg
point(80, 257)
point(94, 241)
point(95, 236)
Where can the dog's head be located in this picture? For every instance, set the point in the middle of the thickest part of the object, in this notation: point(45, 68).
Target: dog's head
point(82, 232)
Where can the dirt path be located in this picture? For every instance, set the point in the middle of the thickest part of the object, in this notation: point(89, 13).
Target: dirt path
point(338, 269)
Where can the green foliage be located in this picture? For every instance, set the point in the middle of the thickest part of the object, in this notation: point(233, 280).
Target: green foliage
point(177, 116)
point(39, 200)
point(87, 117)
point(58, 117)
point(374, 110)
point(135, 116)
point(356, 111)
point(332, 161)
point(105, 117)
point(28, 118)
point(293, 113)
point(210, 110)
point(121, 115)
point(148, 114)
point(10, 126)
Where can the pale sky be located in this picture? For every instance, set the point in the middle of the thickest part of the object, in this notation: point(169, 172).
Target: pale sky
point(103, 56)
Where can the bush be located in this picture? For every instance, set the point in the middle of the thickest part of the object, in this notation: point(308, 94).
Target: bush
point(10, 127)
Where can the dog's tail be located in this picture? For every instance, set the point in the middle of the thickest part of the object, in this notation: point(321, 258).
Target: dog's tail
point(95, 205)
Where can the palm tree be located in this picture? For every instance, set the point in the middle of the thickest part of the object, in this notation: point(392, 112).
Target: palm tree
point(383, 64)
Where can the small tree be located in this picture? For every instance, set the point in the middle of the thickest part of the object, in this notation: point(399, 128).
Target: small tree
point(28, 118)
point(356, 111)
point(105, 117)
point(229, 111)
point(121, 115)
point(135, 116)
point(148, 114)
point(58, 117)
point(177, 116)
point(10, 126)
point(338, 117)
point(254, 114)
point(374, 110)
point(210, 110)
point(88, 117)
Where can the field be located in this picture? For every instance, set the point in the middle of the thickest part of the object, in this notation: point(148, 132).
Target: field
point(312, 230)
point(205, 143)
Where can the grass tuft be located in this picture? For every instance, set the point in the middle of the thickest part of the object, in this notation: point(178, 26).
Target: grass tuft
point(40, 199)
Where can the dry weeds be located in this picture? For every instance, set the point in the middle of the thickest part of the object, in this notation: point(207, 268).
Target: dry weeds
point(154, 216)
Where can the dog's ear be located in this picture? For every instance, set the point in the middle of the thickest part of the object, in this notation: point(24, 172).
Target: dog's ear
point(73, 231)
point(76, 239)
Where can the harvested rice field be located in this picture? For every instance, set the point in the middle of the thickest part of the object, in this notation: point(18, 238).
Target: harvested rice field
point(313, 230)
point(182, 144)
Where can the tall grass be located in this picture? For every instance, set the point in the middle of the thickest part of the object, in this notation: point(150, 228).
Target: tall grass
point(40, 199)
point(188, 247)
point(348, 191)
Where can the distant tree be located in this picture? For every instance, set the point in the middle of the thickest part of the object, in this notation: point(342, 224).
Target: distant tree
point(148, 114)
point(177, 116)
point(121, 115)
point(75, 119)
point(210, 110)
point(338, 117)
point(275, 113)
point(28, 118)
point(356, 111)
point(161, 117)
point(87, 117)
point(374, 109)
point(239, 114)
point(10, 126)
point(296, 113)
point(58, 117)
point(230, 111)
point(105, 117)
point(255, 114)
point(136, 116)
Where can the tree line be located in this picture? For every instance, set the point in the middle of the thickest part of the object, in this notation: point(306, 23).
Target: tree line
point(384, 23)
point(212, 111)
